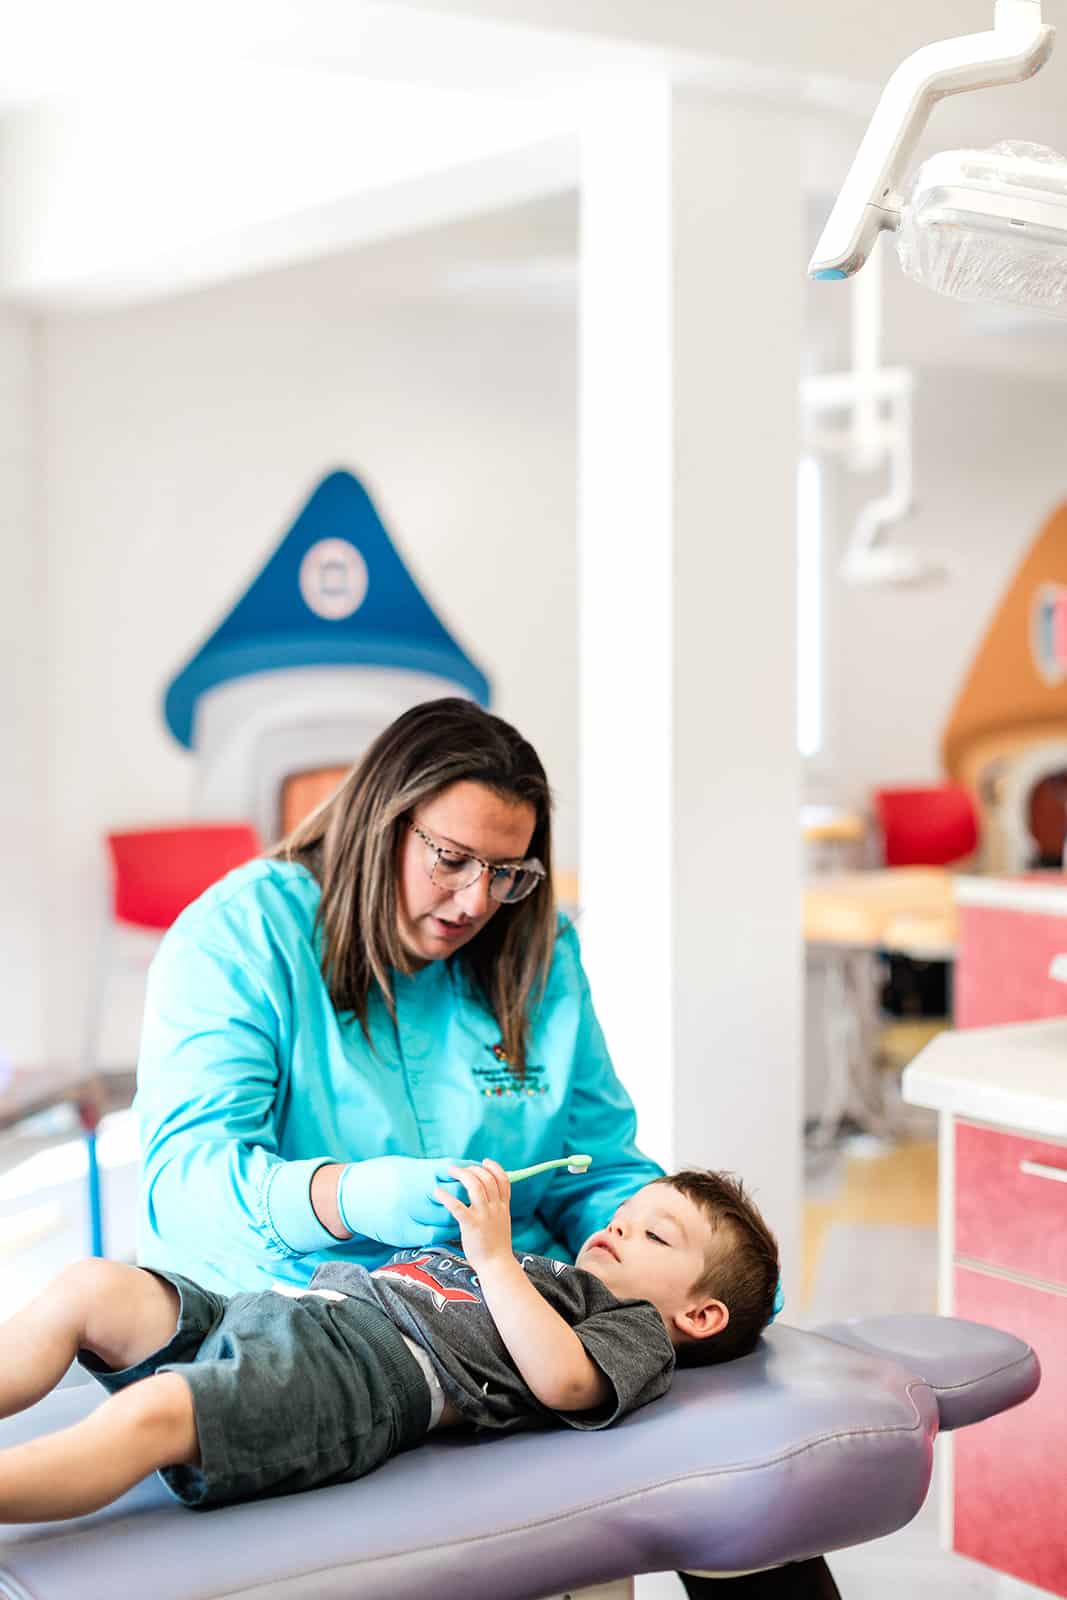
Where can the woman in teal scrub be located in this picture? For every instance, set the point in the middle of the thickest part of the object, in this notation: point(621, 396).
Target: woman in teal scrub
point(328, 1029)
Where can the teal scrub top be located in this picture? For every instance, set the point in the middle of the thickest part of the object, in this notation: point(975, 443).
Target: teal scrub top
point(249, 1080)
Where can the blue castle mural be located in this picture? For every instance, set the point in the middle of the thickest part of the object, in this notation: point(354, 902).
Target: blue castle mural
point(334, 593)
point(330, 642)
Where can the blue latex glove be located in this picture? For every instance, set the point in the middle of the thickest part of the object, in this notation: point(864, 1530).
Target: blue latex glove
point(390, 1198)
point(779, 1300)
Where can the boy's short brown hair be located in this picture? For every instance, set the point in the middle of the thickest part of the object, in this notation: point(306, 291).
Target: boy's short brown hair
point(741, 1267)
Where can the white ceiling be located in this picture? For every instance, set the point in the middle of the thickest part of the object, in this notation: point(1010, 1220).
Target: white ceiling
point(236, 85)
point(840, 51)
point(61, 47)
point(831, 51)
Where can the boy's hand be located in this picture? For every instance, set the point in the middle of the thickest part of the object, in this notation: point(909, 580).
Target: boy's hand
point(485, 1222)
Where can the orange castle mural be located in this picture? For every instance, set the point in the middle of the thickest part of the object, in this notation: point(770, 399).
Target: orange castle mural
point(1007, 735)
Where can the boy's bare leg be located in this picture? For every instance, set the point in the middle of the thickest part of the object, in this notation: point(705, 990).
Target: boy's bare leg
point(120, 1313)
point(68, 1474)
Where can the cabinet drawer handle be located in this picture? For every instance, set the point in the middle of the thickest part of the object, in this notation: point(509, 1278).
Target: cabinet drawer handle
point(1037, 1169)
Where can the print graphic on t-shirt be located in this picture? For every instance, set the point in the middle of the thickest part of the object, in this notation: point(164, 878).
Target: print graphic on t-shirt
point(558, 1267)
point(415, 1272)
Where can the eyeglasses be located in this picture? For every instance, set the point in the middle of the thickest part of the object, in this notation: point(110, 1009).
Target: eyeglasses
point(451, 869)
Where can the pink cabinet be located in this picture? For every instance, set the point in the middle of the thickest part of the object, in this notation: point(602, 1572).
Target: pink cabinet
point(1000, 1084)
point(1011, 1472)
point(1009, 932)
point(1010, 1270)
point(1011, 1202)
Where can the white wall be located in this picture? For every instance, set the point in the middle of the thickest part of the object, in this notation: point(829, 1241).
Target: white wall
point(23, 697)
point(180, 440)
point(990, 464)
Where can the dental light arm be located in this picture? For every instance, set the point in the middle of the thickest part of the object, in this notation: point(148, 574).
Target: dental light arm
point(1018, 45)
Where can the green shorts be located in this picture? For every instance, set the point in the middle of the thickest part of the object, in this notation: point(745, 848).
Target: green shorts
point(287, 1393)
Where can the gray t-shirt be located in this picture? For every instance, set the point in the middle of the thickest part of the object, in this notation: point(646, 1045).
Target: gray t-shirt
point(435, 1298)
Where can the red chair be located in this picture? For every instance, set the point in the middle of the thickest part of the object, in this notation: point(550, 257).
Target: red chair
point(157, 872)
point(929, 827)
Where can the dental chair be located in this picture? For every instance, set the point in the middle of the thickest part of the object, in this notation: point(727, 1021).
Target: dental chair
point(814, 1442)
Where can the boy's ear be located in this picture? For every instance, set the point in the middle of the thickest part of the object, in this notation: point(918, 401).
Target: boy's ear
point(702, 1320)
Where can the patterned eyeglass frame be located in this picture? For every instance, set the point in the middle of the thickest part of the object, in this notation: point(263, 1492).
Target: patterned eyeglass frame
point(532, 866)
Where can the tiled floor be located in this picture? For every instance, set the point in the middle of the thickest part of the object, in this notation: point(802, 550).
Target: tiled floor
point(870, 1233)
point(870, 1246)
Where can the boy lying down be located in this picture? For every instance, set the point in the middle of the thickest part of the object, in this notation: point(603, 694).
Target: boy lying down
point(230, 1398)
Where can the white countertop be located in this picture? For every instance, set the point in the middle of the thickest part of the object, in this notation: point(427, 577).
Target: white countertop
point(1042, 892)
point(1014, 1076)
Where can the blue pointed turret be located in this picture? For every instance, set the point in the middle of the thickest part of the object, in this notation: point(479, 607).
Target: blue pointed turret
point(335, 593)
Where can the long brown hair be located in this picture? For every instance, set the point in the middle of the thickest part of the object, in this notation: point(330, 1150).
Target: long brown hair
point(351, 844)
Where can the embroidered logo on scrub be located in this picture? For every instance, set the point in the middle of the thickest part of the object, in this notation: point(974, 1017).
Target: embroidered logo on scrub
point(499, 1081)
point(415, 1272)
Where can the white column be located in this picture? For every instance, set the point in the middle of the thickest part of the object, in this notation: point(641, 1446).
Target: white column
point(24, 701)
point(692, 266)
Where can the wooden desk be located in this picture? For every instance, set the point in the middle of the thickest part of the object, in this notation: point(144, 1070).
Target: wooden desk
point(848, 918)
point(566, 886)
point(27, 1091)
point(831, 825)
point(906, 910)
point(833, 837)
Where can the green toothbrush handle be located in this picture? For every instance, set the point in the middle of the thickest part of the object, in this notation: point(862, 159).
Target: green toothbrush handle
point(546, 1166)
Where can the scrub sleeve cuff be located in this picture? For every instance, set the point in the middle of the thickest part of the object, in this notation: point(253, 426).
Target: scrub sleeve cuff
point(288, 1203)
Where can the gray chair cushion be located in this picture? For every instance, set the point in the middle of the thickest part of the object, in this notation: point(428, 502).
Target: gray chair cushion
point(805, 1446)
point(973, 1371)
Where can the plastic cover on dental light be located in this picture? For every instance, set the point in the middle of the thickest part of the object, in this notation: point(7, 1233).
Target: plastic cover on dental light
point(990, 225)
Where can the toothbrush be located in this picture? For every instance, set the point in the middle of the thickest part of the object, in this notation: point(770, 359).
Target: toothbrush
point(572, 1164)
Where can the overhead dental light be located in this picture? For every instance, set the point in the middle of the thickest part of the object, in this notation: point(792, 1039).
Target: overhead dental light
point(977, 225)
